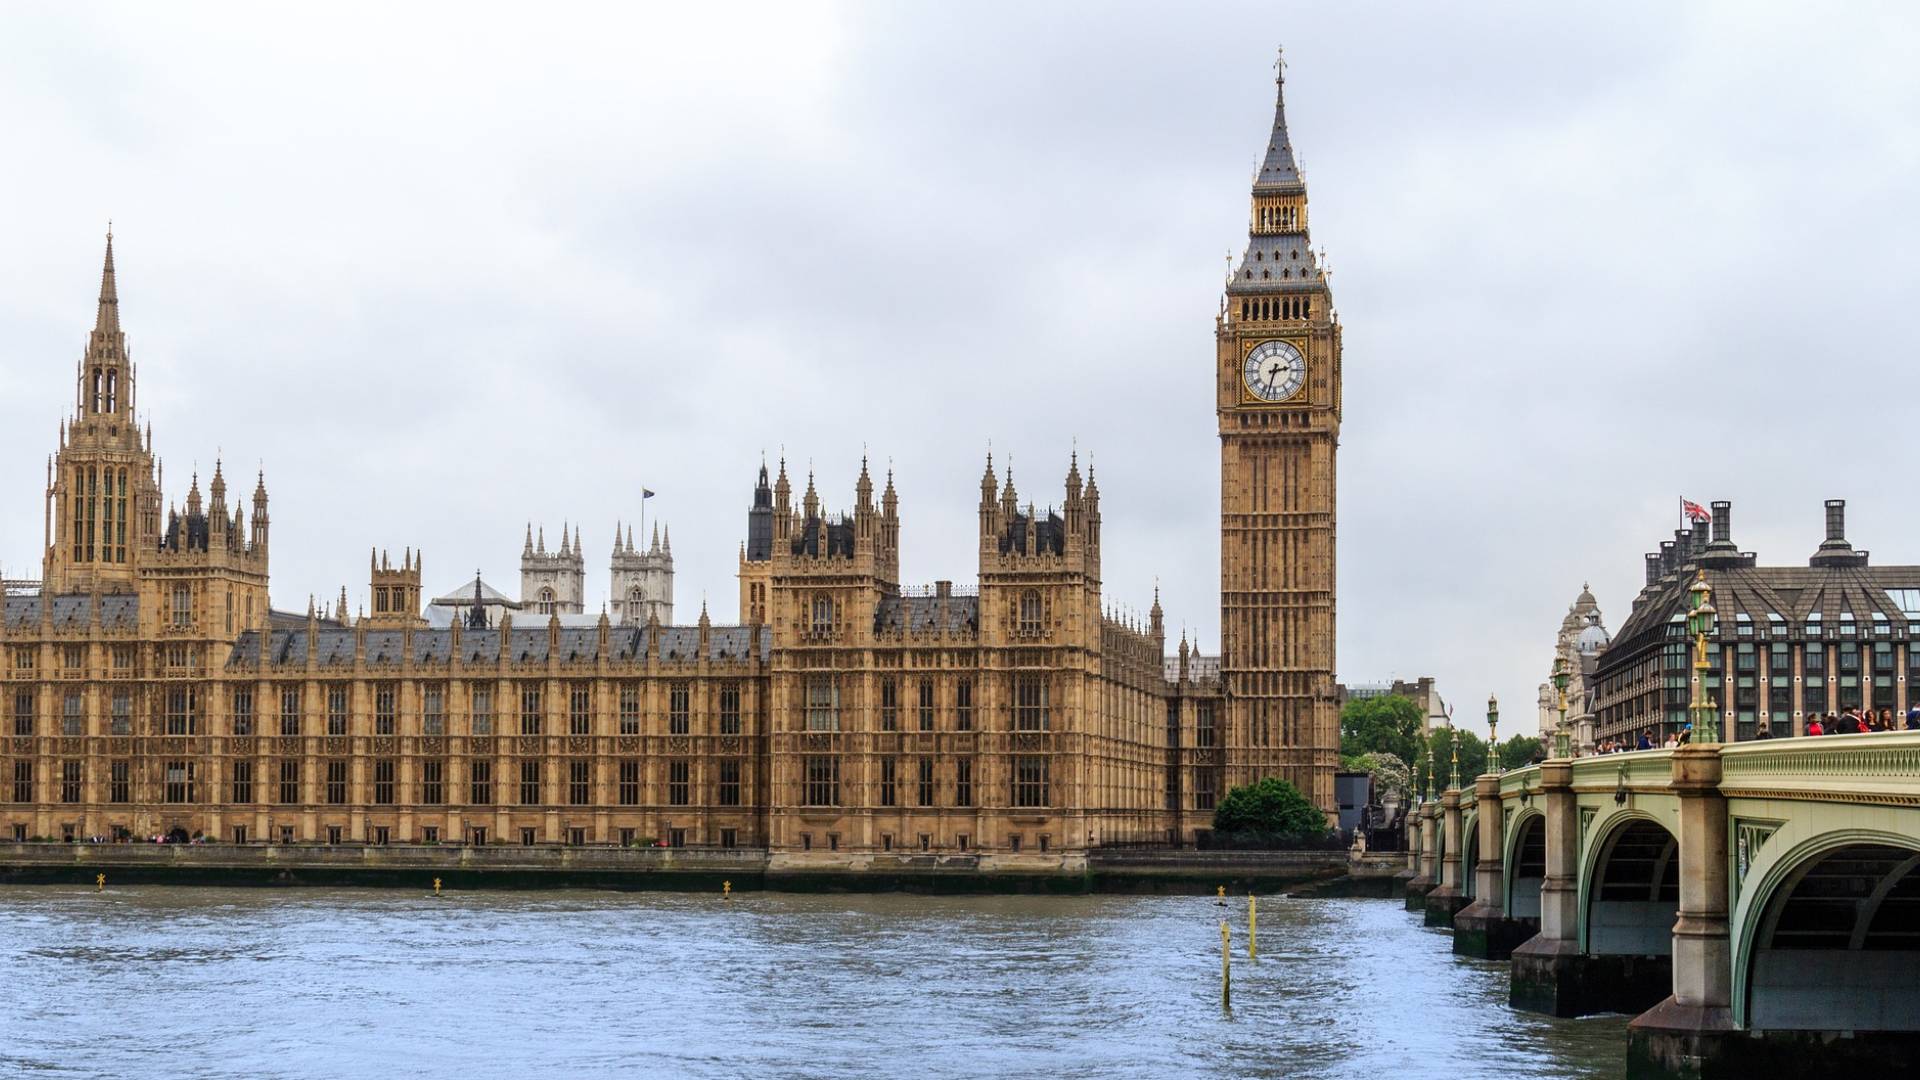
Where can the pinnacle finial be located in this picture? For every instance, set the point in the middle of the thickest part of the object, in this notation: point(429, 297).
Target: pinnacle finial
point(107, 320)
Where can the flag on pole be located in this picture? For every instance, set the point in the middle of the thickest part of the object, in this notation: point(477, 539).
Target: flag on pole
point(646, 493)
point(1695, 511)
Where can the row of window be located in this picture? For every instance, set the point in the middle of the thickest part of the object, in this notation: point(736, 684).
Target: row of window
point(180, 783)
point(1028, 781)
point(1032, 695)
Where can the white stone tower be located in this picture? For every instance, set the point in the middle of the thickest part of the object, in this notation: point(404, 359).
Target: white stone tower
point(553, 583)
point(642, 581)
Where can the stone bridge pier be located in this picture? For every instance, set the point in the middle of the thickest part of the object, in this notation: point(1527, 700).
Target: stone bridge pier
point(1423, 830)
point(1483, 928)
point(1448, 896)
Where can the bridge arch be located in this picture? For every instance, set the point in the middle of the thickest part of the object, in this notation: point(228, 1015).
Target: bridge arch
point(1829, 938)
point(1469, 853)
point(1630, 887)
point(1524, 867)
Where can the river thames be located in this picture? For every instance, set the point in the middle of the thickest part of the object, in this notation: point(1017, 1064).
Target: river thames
point(163, 981)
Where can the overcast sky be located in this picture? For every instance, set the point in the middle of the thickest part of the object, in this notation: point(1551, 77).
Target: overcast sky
point(445, 271)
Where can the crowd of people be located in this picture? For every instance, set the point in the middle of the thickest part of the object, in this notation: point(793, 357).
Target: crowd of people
point(1849, 721)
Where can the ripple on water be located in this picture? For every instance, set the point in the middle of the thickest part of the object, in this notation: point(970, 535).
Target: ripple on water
point(319, 983)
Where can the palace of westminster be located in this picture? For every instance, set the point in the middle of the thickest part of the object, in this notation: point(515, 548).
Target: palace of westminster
point(147, 687)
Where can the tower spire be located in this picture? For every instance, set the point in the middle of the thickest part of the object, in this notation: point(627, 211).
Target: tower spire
point(107, 320)
point(1278, 170)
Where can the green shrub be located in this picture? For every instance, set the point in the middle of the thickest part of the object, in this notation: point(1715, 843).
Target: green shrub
point(1271, 809)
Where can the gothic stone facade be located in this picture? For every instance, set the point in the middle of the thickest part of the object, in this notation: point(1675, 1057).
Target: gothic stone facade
point(1277, 375)
point(148, 687)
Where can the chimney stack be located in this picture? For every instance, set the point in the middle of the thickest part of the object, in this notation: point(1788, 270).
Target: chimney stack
point(1722, 524)
point(1653, 567)
point(1834, 550)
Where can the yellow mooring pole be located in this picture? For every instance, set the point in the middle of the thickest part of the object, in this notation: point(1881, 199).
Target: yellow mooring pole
point(1253, 934)
point(1226, 966)
point(99, 883)
point(726, 891)
point(436, 886)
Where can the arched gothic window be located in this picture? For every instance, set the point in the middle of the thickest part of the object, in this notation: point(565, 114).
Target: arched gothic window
point(113, 390)
point(1030, 612)
point(546, 601)
point(822, 615)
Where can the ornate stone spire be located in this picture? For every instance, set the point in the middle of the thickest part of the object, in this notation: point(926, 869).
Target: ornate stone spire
point(1278, 170)
point(107, 320)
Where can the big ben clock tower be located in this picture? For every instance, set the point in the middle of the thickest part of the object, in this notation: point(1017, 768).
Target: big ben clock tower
point(1277, 375)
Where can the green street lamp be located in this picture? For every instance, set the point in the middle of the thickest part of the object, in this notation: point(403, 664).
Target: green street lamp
point(1562, 737)
point(1493, 735)
point(1453, 766)
point(1702, 621)
point(1429, 770)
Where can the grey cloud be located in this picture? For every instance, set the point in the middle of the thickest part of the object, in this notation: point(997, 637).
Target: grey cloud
point(444, 276)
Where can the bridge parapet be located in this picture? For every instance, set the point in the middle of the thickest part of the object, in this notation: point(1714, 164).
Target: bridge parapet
point(1880, 768)
point(1641, 771)
point(1527, 780)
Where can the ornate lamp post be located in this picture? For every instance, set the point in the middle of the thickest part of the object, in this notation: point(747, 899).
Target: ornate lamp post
point(1562, 737)
point(1453, 766)
point(1429, 770)
point(1701, 622)
point(1493, 735)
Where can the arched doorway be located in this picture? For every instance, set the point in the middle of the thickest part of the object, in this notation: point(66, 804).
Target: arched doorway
point(1837, 945)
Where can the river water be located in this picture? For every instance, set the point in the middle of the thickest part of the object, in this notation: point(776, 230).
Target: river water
point(152, 981)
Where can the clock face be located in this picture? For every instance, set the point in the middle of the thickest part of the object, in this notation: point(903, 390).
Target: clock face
point(1275, 371)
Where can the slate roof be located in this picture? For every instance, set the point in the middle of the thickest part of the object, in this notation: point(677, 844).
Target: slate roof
point(1276, 264)
point(923, 614)
point(1050, 534)
point(1792, 593)
point(334, 647)
point(117, 611)
point(1278, 170)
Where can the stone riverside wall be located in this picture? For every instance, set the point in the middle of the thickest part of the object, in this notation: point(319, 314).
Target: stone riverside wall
point(687, 869)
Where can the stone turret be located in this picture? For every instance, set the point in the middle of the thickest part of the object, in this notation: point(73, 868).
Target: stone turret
point(640, 582)
point(553, 583)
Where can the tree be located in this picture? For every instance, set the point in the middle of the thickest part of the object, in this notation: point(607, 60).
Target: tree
point(1519, 751)
point(1271, 809)
point(1389, 724)
point(1390, 774)
point(1473, 758)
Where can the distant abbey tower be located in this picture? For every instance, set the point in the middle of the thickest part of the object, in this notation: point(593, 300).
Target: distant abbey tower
point(553, 583)
point(642, 586)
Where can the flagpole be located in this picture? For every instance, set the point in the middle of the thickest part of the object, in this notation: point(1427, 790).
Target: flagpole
point(643, 513)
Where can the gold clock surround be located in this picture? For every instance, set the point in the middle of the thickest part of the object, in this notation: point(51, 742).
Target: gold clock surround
point(1300, 398)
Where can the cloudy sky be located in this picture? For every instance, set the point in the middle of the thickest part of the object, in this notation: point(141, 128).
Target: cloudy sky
point(448, 270)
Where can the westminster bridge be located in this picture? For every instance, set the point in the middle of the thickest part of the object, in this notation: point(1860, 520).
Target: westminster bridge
point(1756, 904)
